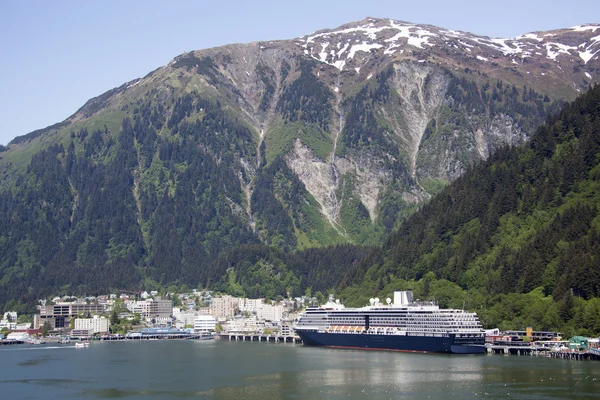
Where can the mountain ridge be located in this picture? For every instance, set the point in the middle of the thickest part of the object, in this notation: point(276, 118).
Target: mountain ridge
point(589, 55)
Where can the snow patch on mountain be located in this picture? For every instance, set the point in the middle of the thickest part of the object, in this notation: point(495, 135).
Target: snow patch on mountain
point(352, 44)
point(364, 38)
point(582, 28)
point(364, 46)
point(587, 55)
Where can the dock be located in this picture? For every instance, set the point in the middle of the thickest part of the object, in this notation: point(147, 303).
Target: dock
point(10, 342)
point(517, 349)
point(255, 337)
point(527, 349)
point(590, 354)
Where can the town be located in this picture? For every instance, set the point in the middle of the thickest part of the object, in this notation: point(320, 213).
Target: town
point(134, 315)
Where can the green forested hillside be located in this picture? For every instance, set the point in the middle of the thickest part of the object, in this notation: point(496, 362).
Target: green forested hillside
point(110, 212)
point(517, 238)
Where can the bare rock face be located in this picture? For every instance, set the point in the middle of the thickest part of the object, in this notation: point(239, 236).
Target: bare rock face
point(318, 178)
point(422, 91)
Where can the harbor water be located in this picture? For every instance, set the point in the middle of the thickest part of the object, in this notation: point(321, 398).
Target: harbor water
point(220, 369)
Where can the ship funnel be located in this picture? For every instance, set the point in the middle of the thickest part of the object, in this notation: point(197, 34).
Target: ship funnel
point(403, 298)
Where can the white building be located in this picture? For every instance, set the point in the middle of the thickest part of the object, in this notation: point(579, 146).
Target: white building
point(96, 324)
point(10, 315)
point(250, 305)
point(59, 315)
point(9, 321)
point(250, 325)
point(286, 327)
point(269, 312)
point(134, 306)
point(17, 336)
point(204, 323)
point(156, 308)
point(183, 318)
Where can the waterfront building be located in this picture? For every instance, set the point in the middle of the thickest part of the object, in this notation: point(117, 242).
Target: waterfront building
point(250, 325)
point(90, 326)
point(59, 315)
point(286, 328)
point(156, 308)
point(533, 335)
point(18, 336)
point(204, 323)
point(159, 332)
point(578, 343)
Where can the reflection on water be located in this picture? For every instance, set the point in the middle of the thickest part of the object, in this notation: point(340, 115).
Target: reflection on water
point(34, 361)
point(44, 382)
point(221, 370)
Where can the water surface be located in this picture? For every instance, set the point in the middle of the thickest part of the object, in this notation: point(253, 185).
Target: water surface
point(220, 369)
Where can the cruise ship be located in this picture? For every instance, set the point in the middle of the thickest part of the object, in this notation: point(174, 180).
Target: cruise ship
point(404, 325)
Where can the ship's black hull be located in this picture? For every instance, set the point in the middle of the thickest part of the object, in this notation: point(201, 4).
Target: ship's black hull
point(427, 344)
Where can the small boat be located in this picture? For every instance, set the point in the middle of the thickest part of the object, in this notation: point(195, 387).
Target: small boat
point(81, 345)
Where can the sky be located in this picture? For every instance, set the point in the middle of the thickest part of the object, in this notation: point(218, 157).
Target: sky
point(56, 55)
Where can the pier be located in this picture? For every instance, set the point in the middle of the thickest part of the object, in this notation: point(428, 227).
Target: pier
point(591, 354)
point(516, 349)
point(10, 342)
point(177, 336)
point(255, 337)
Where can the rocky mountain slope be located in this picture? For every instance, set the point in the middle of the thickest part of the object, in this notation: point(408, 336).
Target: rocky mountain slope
point(329, 138)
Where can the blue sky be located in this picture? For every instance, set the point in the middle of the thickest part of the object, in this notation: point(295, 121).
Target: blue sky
point(55, 55)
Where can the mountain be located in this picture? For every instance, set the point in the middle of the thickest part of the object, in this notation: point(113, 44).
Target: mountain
point(331, 138)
